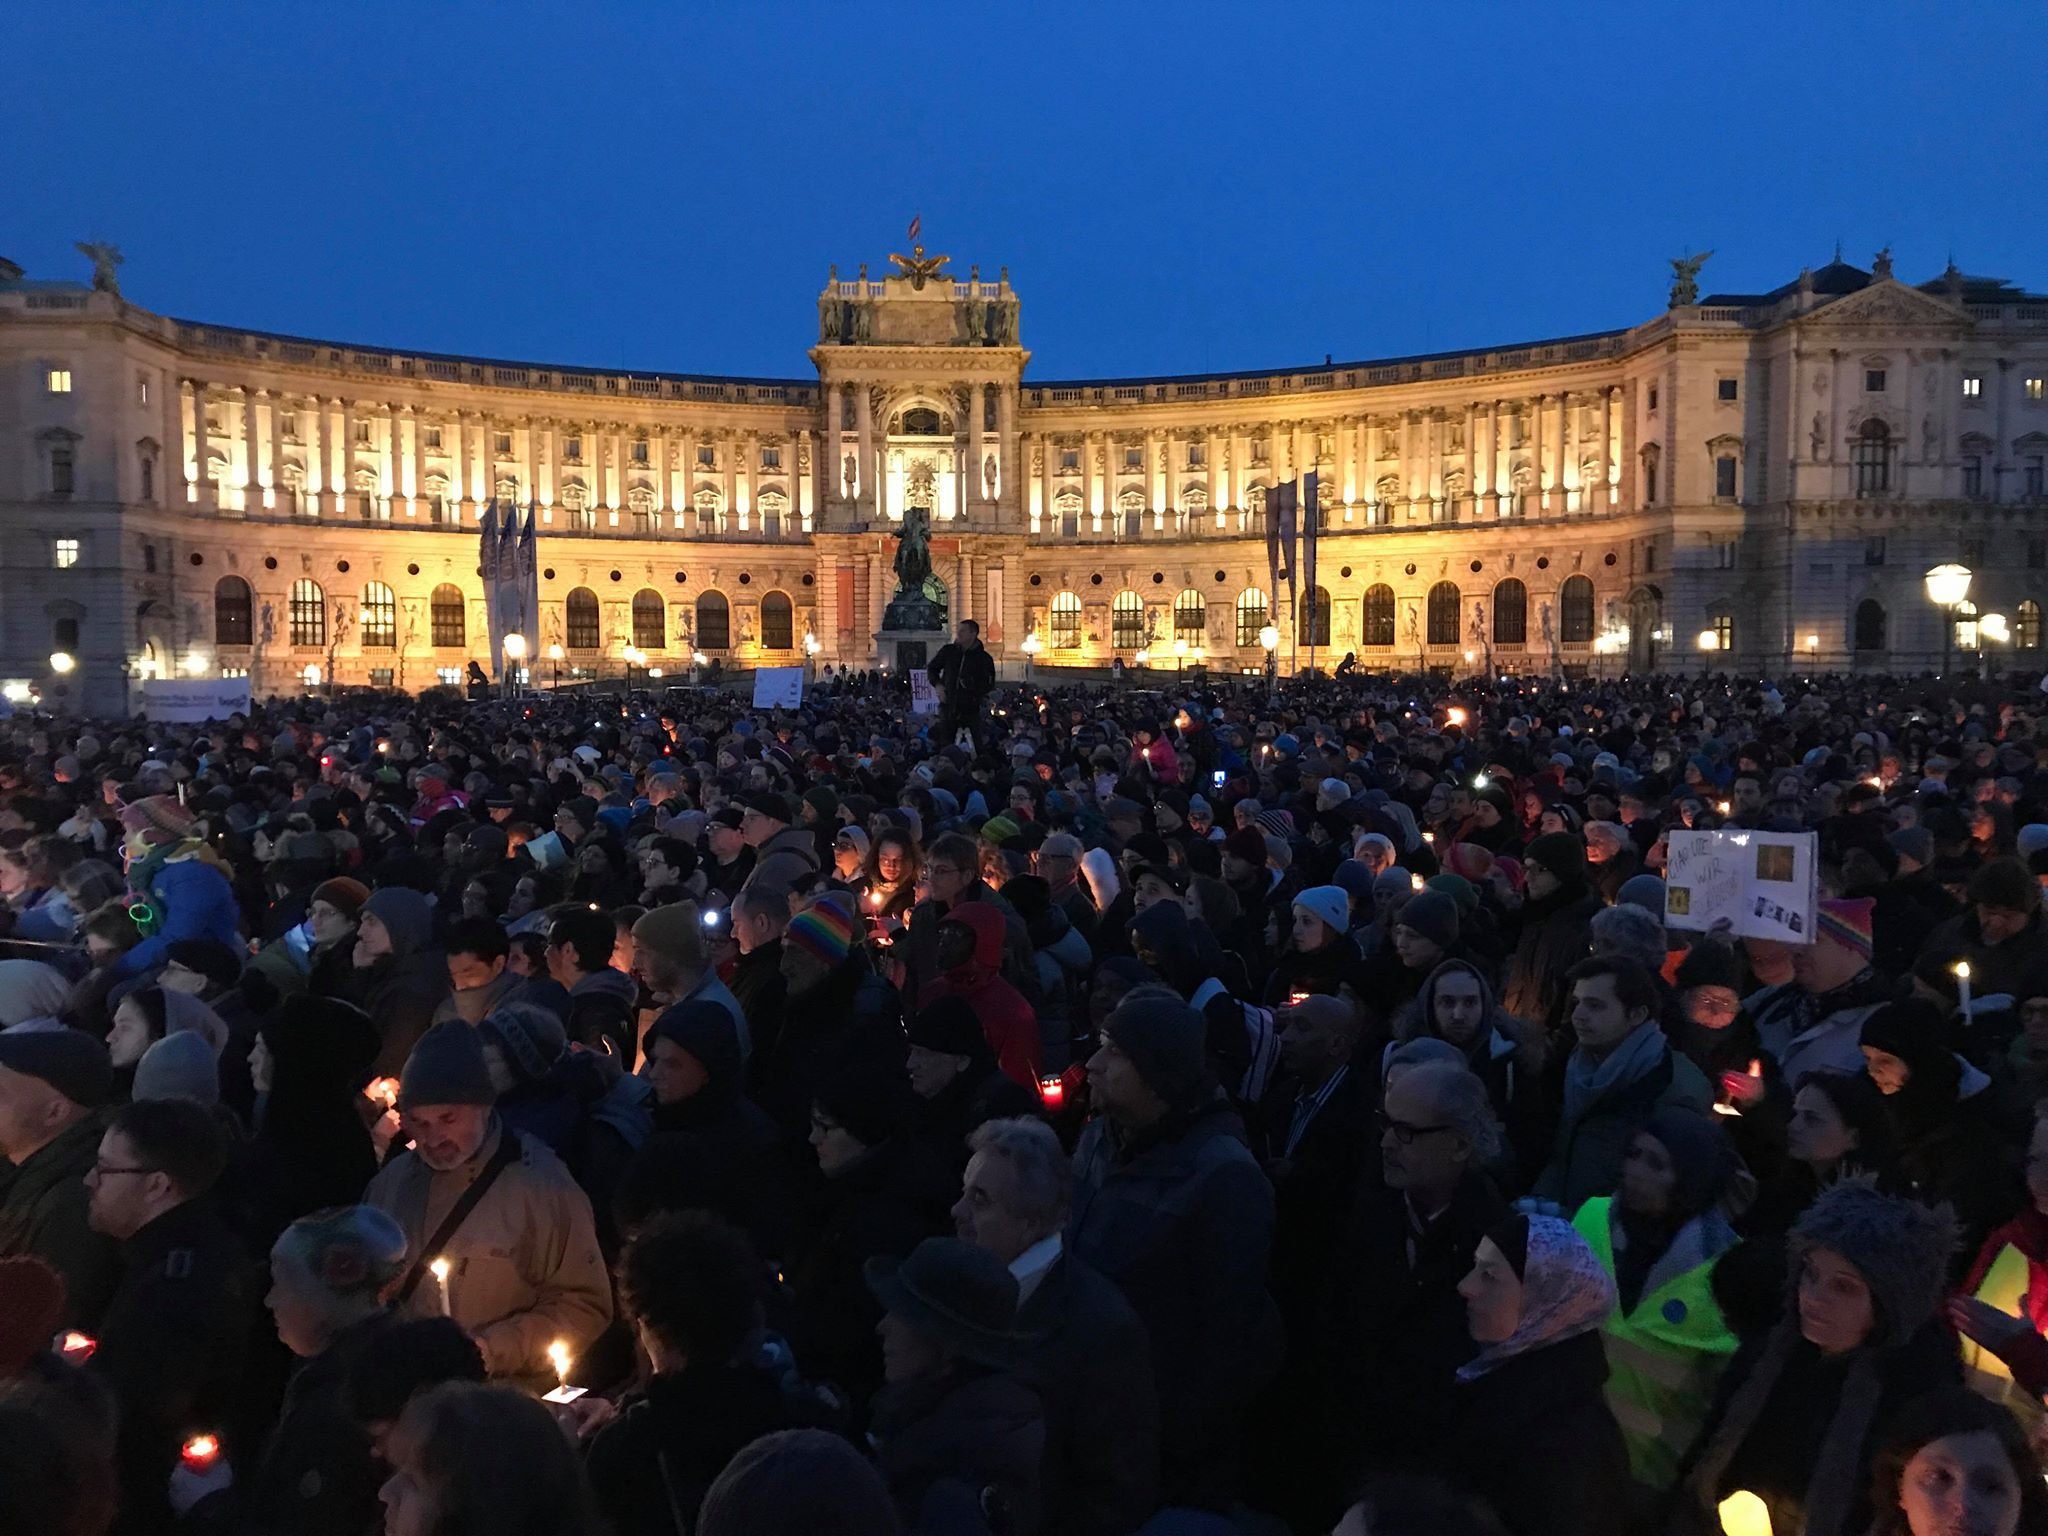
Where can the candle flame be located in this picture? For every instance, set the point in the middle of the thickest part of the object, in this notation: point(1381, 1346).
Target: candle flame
point(558, 1356)
point(201, 1448)
point(1742, 1513)
point(1415, 881)
point(439, 1269)
point(1962, 970)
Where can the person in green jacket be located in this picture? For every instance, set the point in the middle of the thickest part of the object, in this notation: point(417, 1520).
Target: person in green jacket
point(1660, 1235)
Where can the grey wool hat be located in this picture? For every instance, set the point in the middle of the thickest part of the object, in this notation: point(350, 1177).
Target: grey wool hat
point(446, 1067)
point(1900, 1247)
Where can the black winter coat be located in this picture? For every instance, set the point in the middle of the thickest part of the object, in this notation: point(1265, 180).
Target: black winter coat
point(319, 1475)
point(1555, 935)
point(971, 1431)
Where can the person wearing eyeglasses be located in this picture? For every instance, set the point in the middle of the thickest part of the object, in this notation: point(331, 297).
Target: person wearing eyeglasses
point(175, 1337)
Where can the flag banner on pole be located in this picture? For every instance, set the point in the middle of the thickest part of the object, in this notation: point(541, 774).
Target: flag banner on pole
point(1311, 519)
point(1287, 526)
point(505, 580)
point(529, 582)
point(487, 561)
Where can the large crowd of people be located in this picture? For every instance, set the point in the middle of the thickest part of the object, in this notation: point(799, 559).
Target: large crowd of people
point(1221, 1106)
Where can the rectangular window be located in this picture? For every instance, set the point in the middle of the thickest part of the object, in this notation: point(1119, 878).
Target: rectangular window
point(1070, 458)
point(62, 474)
point(142, 389)
point(707, 457)
point(58, 381)
point(1198, 454)
point(380, 677)
point(66, 554)
point(639, 450)
point(572, 447)
point(1653, 406)
point(288, 424)
point(1724, 478)
point(234, 671)
point(1724, 389)
point(1973, 476)
point(1724, 632)
point(1873, 381)
point(2036, 391)
point(433, 437)
point(501, 444)
point(1724, 555)
point(2031, 472)
point(1134, 458)
point(1973, 386)
point(771, 458)
point(1873, 550)
point(448, 677)
point(148, 478)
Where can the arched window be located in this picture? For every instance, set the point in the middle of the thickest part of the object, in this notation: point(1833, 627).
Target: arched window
point(308, 613)
point(1444, 604)
point(714, 622)
point(1190, 616)
point(1313, 623)
point(1510, 612)
point(1575, 611)
point(444, 612)
point(1870, 625)
point(1873, 459)
point(2027, 625)
point(1251, 616)
point(1066, 621)
point(232, 612)
point(582, 620)
point(1379, 615)
point(650, 621)
point(1126, 622)
point(778, 622)
point(380, 617)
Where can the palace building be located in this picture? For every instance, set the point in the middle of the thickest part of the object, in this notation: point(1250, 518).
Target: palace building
point(1750, 481)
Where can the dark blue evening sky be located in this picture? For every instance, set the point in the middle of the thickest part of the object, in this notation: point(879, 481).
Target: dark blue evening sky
point(1174, 187)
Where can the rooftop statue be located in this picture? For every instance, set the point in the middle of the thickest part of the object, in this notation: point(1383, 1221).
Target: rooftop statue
point(1685, 274)
point(105, 260)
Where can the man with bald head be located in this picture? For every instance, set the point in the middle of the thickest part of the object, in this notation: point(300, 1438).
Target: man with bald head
point(1401, 1330)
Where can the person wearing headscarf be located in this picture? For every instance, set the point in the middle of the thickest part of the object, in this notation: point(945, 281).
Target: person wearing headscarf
point(1532, 1434)
point(1802, 1406)
point(1660, 1235)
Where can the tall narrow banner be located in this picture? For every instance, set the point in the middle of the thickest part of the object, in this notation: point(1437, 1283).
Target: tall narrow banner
point(505, 586)
point(487, 564)
point(1309, 621)
point(528, 584)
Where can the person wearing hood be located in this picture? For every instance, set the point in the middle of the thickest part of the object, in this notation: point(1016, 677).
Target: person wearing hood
point(1061, 958)
point(970, 961)
point(1660, 1235)
point(148, 1015)
point(712, 1148)
point(1619, 1072)
point(1801, 1406)
point(579, 1104)
point(400, 978)
point(1457, 1005)
point(1171, 1206)
point(1243, 1046)
point(1554, 929)
point(30, 989)
point(312, 1149)
point(1318, 955)
point(954, 1414)
point(953, 1072)
point(183, 883)
point(1531, 1433)
point(1949, 1149)
point(1423, 934)
point(603, 1003)
point(952, 873)
point(523, 1263)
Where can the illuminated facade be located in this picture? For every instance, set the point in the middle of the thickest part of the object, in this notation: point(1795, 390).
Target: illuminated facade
point(1775, 471)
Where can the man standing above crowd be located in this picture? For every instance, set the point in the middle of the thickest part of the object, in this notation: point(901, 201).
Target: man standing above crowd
point(964, 673)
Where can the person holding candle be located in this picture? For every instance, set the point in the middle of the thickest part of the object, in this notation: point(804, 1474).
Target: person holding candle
point(525, 1266)
point(2001, 937)
point(1802, 1406)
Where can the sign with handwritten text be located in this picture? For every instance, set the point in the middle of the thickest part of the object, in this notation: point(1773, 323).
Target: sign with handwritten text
point(1763, 884)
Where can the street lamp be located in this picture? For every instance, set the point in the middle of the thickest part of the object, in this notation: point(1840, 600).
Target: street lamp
point(1031, 647)
point(1948, 586)
point(195, 663)
point(1269, 637)
point(515, 652)
point(1180, 652)
point(635, 657)
point(61, 663)
point(555, 656)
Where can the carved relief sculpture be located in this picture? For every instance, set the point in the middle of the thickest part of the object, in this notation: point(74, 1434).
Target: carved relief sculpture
point(988, 476)
point(846, 476)
point(267, 619)
point(1930, 441)
point(1820, 438)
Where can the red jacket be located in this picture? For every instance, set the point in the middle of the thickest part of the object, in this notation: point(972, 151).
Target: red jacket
point(1007, 1021)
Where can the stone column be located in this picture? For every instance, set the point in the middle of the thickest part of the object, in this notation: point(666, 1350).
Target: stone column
point(279, 404)
point(867, 502)
point(1484, 499)
point(1540, 482)
point(193, 393)
point(1006, 439)
point(1566, 472)
point(314, 432)
point(1218, 476)
point(252, 493)
point(1607, 465)
point(804, 481)
point(1472, 453)
point(345, 474)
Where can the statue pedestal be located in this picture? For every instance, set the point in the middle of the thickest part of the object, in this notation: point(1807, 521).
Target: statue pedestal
point(905, 650)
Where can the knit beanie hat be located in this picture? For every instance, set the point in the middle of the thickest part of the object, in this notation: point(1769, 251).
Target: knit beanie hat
point(703, 1031)
point(824, 929)
point(854, 838)
point(1246, 843)
point(1332, 793)
point(159, 819)
point(1166, 1041)
point(824, 800)
point(1710, 964)
point(1354, 879)
point(1461, 891)
point(1846, 921)
point(346, 896)
point(31, 1306)
point(1611, 835)
point(1329, 904)
point(1560, 853)
point(674, 931)
point(1645, 891)
point(1701, 1158)
point(867, 1095)
point(179, 1066)
point(998, 830)
point(1393, 881)
point(951, 1027)
point(1278, 824)
point(69, 1060)
point(1915, 843)
point(530, 1039)
point(1900, 1247)
point(446, 1067)
point(1433, 915)
point(2005, 883)
point(209, 958)
point(406, 915)
point(349, 1250)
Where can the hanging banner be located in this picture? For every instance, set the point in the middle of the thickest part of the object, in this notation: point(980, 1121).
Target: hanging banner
point(1764, 883)
point(778, 687)
point(924, 698)
point(192, 700)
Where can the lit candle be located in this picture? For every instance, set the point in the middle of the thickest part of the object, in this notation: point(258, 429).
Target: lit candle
point(1052, 1092)
point(558, 1357)
point(1722, 807)
point(1744, 1514)
point(439, 1270)
point(1415, 881)
point(200, 1452)
point(77, 1347)
point(1963, 985)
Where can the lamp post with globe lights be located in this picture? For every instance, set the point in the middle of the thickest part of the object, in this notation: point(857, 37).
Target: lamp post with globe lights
point(1031, 647)
point(1948, 587)
point(515, 654)
point(555, 658)
point(1269, 638)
